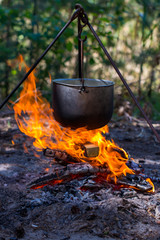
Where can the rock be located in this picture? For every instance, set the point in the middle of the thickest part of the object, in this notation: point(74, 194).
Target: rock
point(36, 202)
point(157, 212)
point(34, 226)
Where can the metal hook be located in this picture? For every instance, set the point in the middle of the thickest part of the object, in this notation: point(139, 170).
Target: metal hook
point(82, 22)
point(80, 33)
point(82, 40)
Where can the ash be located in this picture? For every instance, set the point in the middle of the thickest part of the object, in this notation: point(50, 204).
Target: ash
point(78, 209)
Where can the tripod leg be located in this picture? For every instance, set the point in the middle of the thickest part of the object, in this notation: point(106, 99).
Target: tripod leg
point(124, 81)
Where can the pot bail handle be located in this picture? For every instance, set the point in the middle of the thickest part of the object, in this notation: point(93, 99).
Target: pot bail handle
point(81, 24)
point(82, 64)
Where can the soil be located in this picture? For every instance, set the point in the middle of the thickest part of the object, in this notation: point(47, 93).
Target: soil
point(65, 212)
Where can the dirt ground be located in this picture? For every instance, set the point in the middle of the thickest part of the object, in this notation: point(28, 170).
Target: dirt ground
point(64, 212)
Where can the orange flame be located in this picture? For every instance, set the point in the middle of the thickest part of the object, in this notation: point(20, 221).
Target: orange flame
point(151, 183)
point(34, 117)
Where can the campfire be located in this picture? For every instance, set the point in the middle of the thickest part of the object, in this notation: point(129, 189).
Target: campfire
point(83, 152)
point(52, 129)
point(62, 174)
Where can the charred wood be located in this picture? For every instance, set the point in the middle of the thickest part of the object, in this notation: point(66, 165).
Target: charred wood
point(65, 174)
point(60, 156)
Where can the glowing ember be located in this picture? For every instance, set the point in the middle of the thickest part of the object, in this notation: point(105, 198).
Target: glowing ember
point(34, 117)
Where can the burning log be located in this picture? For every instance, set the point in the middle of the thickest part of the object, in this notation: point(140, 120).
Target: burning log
point(78, 170)
point(60, 156)
point(65, 174)
point(99, 178)
point(90, 150)
point(123, 154)
point(137, 182)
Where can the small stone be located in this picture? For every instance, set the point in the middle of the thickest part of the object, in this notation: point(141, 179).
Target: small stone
point(34, 226)
point(36, 202)
point(157, 212)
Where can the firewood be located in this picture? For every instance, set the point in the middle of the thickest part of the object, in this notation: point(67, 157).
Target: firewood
point(78, 170)
point(139, 184)
point(60, 156)
point(64, 158)
point(64, 174)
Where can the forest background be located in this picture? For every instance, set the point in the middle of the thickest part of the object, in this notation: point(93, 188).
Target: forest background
point(129, 29)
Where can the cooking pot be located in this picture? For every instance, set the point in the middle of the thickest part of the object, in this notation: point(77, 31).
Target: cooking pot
point(74, 107)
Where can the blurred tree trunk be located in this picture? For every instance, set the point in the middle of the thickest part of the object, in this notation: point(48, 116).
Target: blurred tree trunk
point(152, 79)
point(140, 78)
point(143, 46)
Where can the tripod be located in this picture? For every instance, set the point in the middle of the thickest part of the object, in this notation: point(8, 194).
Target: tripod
point(82, 22)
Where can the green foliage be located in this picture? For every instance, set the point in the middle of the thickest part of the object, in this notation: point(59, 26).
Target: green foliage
point(28, 27)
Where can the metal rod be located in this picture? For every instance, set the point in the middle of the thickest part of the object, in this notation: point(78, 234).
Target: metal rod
point(74, 16)
point(124, 81)
point(81, 24)
point(79, 48)
point(82, 65)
